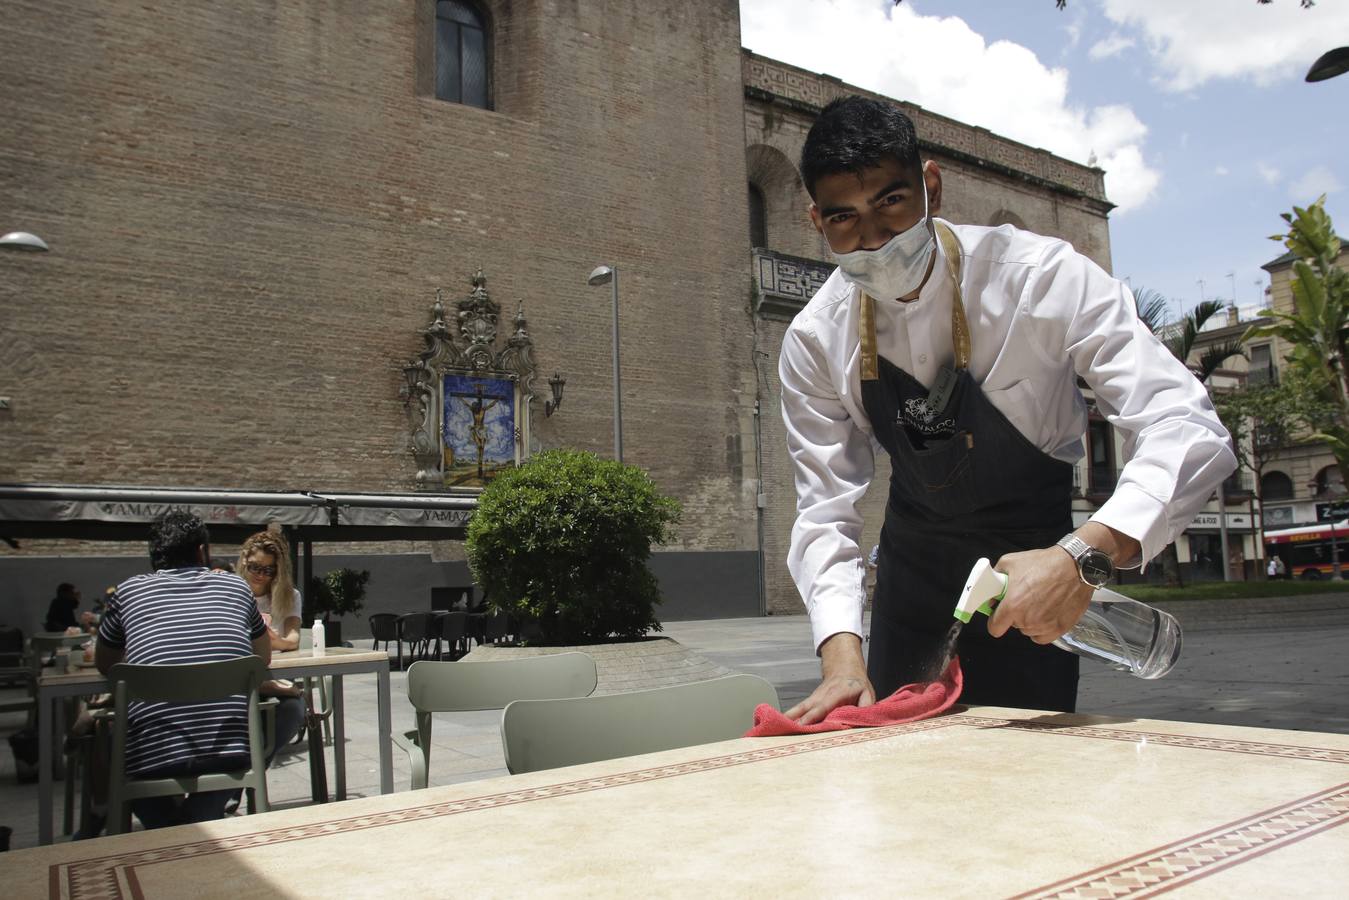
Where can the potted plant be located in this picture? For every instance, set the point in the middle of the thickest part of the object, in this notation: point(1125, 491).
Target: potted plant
point(562, 542)
point(332, 596)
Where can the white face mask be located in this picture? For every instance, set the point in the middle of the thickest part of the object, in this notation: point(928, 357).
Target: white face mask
point(898, 268)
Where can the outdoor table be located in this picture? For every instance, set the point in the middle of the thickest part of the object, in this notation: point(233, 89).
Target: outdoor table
point(982, 802)
point(337, 662)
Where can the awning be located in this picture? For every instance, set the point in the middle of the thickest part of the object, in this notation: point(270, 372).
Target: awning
point(86, 512)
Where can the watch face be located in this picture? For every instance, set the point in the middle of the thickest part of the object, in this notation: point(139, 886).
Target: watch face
point(1096, 568)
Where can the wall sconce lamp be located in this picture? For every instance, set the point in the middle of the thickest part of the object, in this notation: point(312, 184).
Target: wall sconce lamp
point(412, 373)
point(557, 383)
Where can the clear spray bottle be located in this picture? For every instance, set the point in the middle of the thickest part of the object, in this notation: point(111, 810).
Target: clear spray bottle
point(1122, 633)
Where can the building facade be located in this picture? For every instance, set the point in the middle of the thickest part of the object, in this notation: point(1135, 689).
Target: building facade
point(252, 205)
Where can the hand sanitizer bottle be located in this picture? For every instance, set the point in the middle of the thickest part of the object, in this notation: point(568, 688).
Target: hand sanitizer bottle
point(317, 638)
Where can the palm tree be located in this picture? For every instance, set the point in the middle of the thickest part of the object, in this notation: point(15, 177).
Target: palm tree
point(1180, 337)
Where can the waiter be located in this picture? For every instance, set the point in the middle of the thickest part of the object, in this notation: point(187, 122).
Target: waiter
point(957, 350)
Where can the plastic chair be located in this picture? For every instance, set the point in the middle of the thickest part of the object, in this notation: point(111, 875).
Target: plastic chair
point(460, 686)
point(547, 734)
point(416, 630)
point(450, 629)
point(496, 627)
point(195, 683)
point(384, 627)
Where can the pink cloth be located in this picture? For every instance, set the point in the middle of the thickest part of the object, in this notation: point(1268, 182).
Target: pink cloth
point(908, 704)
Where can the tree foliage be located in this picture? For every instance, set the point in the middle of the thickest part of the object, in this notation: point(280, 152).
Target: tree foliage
point(1317, 329)
point(564, 540)
point(1266, 418)
point(1182, 336)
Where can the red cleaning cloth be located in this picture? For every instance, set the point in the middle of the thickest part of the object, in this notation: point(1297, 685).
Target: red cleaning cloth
point(908, 704)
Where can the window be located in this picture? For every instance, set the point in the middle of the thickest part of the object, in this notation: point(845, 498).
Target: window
point(1329, 483)
point(1261, 369)
point(758, 217)
point(461, 54)
point(1276, 486)
point(1101, 475)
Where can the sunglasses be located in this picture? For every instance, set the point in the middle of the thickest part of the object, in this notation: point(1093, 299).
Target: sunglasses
point(257, 569)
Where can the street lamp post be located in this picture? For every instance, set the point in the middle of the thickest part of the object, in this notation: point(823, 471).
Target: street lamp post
point(609, 275)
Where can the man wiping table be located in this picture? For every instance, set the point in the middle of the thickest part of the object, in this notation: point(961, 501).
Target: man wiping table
point(957, 349)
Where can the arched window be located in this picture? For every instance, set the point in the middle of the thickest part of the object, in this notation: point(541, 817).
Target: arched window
point(758, 217)
point(1329, 482)
point(1276, 486)
point(461, 54)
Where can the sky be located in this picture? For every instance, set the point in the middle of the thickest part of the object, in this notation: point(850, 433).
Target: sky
point(1197, 110)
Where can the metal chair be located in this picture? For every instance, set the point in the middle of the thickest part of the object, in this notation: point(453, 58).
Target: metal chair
point(195, 683)
point(460, 686)
point(416, 630)
point(547, 734)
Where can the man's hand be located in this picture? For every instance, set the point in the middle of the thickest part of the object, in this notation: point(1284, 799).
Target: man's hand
point(1045, 596)
point(844, 680)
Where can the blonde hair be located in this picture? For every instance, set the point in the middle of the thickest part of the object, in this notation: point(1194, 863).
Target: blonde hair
point(283, 585)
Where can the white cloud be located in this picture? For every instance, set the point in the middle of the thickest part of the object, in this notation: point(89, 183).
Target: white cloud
point(1111, 46)
point(1220, 170)
point(1313, 184)
point(1270, 174)
point(1196, 41)
point(941, 64)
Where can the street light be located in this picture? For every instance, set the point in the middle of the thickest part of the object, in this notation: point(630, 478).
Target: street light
point(609, 275)
point(23, 241)
point(1335, 62)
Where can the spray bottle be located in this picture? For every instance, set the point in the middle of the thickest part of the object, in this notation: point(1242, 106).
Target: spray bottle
point(1122, 633)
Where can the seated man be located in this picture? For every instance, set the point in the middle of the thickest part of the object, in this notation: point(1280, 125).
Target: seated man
point(182, 613)
point(61, 611)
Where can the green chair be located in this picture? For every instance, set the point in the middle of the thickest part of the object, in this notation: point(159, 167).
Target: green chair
point(547, 734)
point(461, 686)
point(195, 683)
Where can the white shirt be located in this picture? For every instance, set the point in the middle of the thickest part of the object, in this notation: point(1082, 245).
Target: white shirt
point(1040, 315)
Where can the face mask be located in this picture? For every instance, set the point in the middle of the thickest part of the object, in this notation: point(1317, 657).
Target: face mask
point(898, 268)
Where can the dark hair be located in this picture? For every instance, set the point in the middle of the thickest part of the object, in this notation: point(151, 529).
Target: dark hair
point(174, 539)
point(856, 133)
point(65, 589)
point(222, 565)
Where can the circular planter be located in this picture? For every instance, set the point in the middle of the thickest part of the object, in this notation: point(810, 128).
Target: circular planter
point(620, 666)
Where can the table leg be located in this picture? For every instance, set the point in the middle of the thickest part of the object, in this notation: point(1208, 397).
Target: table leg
point(339, 740)
point(385, 738)
point(46, 721)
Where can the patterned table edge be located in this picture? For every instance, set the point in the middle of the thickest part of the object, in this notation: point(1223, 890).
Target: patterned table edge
point(113, 876)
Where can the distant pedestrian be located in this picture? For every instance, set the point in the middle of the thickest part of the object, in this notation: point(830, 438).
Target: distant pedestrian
point(1272, 570)
point(1280, 570)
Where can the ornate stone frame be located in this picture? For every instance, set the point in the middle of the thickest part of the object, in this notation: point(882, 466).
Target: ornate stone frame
point(466, 345)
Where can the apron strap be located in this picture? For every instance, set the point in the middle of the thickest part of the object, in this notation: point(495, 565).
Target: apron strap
point(960, 329)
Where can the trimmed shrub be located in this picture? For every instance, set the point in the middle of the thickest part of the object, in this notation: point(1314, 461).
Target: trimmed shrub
point(563, 540)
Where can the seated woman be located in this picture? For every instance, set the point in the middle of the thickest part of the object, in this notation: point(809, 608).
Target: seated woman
point(264, 562)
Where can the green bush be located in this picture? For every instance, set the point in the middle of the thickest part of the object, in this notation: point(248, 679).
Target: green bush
point(564, 540)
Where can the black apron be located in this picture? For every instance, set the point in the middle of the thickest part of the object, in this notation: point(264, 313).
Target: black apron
point(975, 487)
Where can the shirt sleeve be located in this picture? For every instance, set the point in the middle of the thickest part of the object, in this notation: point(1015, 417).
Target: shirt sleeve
point(111, 632)
point(833, 463)
point(1177, 451)
point(256, 626)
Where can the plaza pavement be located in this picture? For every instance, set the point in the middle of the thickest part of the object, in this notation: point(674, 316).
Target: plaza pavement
point(1278, 663)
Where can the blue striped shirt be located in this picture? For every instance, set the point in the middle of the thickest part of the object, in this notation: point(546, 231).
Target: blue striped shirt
point(175, 617)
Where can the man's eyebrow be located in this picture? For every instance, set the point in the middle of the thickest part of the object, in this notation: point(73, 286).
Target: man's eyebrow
point(889, 188)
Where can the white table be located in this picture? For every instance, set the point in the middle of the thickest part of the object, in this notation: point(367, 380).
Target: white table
point(338, 661)
point(983, 802)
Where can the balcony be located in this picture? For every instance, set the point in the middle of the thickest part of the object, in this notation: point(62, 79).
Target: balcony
point(1239, 487)
point(1101, 481)
point(1260, 375)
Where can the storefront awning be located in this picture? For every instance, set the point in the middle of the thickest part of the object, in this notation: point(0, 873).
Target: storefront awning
point(84, 512)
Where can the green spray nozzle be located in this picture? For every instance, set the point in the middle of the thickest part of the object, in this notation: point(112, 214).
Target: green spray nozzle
point(983, 588)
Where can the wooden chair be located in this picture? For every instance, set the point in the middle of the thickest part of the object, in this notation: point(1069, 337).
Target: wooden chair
point(547, 734)
point(194, 683)
point(459, 686)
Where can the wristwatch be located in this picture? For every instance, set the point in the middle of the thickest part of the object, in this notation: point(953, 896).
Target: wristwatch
point(1094, 567)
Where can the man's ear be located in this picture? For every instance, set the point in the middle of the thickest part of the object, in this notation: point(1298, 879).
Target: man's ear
point(932, 177)
point(815, 218)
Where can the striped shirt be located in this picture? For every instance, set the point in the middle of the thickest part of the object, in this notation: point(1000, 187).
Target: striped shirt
point(181, 616)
